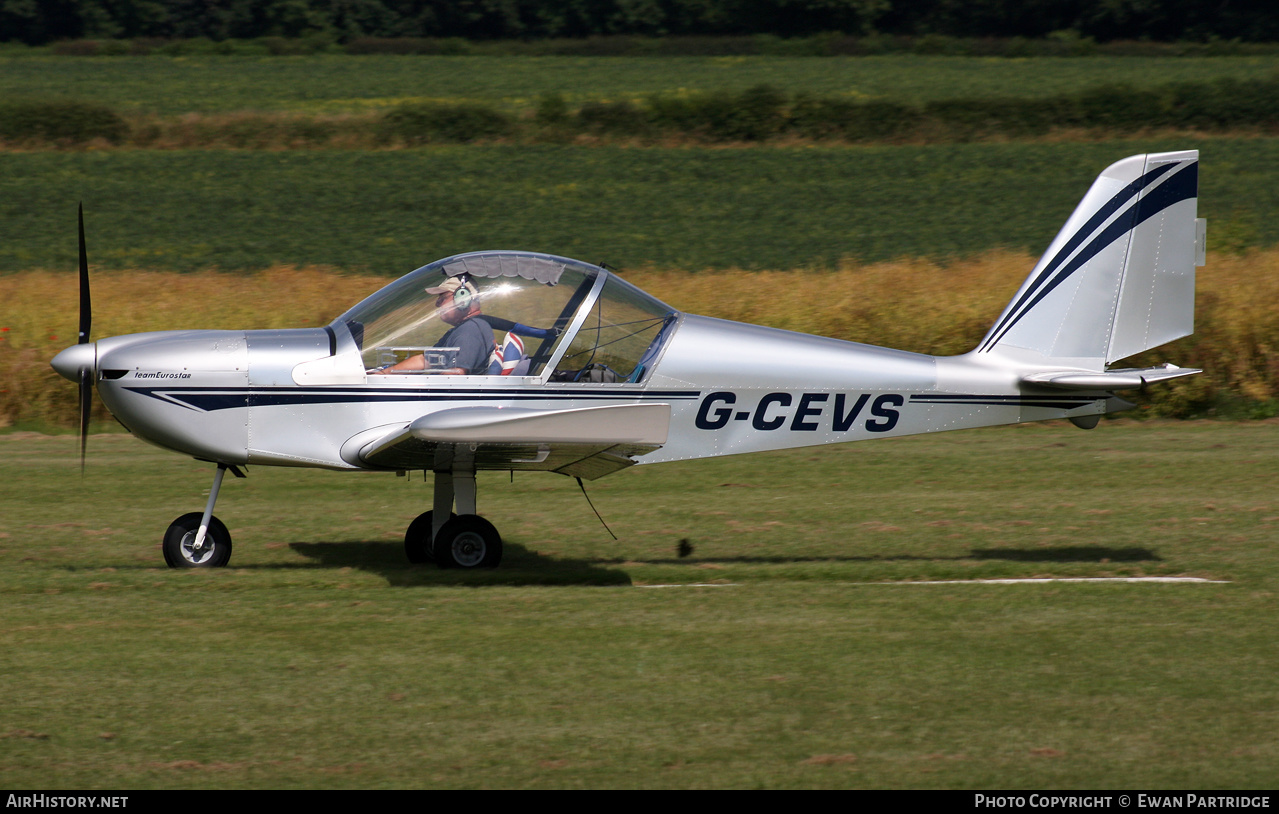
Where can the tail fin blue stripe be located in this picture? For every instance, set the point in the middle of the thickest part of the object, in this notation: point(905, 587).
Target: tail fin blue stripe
point(1181, 186)
point(1120, 199)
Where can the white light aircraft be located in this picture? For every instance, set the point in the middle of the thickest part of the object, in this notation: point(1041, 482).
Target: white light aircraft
point(506, 360)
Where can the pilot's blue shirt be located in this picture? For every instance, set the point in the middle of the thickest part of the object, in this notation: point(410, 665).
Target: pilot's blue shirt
point(474, 341)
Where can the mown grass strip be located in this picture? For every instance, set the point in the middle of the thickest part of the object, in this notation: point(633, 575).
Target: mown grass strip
point(324, 661)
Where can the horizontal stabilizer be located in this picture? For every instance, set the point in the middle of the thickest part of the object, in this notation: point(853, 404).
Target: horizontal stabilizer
point(1122, 379)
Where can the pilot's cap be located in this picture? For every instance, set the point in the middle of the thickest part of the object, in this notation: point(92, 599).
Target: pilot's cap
point(451, 286)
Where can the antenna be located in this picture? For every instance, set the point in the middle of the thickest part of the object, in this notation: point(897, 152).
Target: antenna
point(582, 486)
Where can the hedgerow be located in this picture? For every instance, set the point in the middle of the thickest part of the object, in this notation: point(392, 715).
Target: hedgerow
point(66, 123)
point(763, 112)
point(456, 123)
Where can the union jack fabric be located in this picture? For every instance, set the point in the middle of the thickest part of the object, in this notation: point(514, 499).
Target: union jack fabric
point(506, 356)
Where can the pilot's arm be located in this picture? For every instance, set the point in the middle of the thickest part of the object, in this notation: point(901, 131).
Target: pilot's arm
point(408, 365)
point(474, 339)
point(412, 365)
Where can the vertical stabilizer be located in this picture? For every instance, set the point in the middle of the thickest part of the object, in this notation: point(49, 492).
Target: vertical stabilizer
point(1120, 276)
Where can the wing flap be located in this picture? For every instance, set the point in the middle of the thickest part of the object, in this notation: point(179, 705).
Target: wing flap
point(585, 442)
point(615, 424)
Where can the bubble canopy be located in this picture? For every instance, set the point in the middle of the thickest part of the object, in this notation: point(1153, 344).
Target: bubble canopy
point(575, 321)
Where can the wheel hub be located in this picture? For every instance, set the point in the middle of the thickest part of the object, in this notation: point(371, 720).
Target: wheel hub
point(193, 554)
point(468, 549)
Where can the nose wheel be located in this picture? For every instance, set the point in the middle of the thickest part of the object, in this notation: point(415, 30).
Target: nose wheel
point(183, 547)
point(198, 539)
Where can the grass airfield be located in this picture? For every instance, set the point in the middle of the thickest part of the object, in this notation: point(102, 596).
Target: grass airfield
point(788, 651)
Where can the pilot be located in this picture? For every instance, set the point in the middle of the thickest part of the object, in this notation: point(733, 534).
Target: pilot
point(458, 303)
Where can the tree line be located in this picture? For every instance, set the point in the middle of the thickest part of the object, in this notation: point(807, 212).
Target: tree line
point(38, 22)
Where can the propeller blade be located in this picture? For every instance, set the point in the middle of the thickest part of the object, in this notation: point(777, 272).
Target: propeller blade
point(86, 324)
point(86, 307)
point(86, 402)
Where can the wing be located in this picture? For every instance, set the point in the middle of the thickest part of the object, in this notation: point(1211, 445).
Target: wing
point(587, 442)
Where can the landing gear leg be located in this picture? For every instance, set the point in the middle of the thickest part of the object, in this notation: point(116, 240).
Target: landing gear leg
point(446, 491)
point(462, 540)
point(198, 540)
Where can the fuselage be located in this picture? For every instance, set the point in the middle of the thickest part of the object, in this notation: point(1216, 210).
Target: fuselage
point(303, 397)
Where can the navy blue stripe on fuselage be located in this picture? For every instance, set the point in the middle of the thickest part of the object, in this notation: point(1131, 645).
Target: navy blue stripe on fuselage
point(1051, 402)
point(206, 399)
point(1182, 185)
point(210, 399)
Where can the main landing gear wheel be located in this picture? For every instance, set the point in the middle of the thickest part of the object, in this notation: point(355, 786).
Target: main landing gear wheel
point(179, 543)
point(417, 540)
point(467, 541)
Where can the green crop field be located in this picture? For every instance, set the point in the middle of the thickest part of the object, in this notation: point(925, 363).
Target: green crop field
point(693, 208)
point(329, 84)
point(810, 656)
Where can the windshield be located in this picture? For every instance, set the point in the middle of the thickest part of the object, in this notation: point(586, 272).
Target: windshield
point(515, 304)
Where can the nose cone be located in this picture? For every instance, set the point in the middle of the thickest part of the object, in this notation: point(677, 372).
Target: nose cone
point(71, 361)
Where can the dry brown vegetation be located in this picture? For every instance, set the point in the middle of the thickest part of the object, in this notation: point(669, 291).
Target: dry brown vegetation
point(913, 304)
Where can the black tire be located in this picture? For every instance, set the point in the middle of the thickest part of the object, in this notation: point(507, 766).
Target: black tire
point(468, 541)
point(215, 553)
point(417, 540)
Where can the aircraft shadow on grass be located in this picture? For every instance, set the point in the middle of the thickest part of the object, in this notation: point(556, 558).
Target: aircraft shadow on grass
point(1097, 554)
point(523, 566)
point(1085, 553)
point(520, 566)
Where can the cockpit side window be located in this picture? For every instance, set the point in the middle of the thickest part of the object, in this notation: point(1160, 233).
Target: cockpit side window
point(619, 339)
